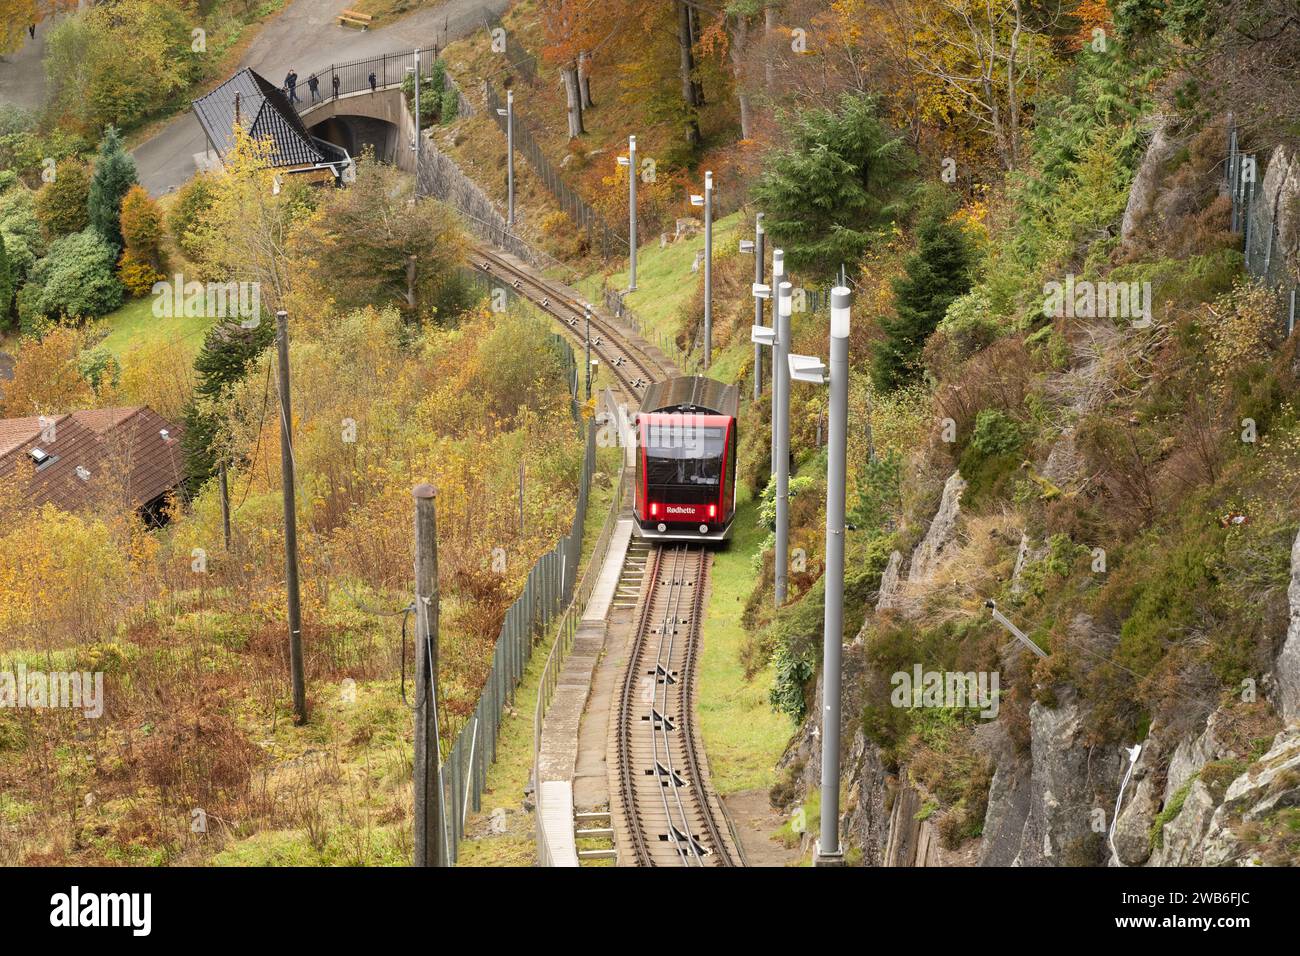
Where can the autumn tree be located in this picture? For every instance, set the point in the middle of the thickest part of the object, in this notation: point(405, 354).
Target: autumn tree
point(47, 375)
point(370, 244)
point(142, 230)
point(569, 28)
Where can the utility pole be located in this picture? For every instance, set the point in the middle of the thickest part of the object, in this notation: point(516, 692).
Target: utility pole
point(630, 162)
point(225, 504)
point(586, 309)
point(290, 521)
point(760, 239)
point(428, 786)
point(807, 368)
point(781, 385)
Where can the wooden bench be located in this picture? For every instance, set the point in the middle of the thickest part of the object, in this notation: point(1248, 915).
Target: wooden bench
point(361, 20)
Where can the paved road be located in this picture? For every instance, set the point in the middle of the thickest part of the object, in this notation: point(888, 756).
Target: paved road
point(22, 78)
point(304, 36)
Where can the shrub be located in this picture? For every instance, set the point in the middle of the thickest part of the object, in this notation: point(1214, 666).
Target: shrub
point(137, 277)
point(192, 203)
point(61, 205)
point(76, 278)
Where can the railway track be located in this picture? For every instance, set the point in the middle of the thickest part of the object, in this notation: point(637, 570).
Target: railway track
point(632, 364)
point(663, 804)
point(668, 813)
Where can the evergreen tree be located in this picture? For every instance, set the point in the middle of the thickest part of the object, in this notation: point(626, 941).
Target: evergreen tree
point(934, 275)
point(228, 351)
point(835, 188)
point(114, 175)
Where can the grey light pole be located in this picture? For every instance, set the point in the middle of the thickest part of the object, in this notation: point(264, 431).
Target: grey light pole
point(630, 162)
point(509, 114)
point(760, 237)
point(809, 369)
point(781, 413)
point(415, 146)
point(586, 310)
point(778, 276)
point(708, 270)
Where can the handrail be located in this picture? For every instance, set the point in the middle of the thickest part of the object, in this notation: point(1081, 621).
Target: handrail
point(565, 633)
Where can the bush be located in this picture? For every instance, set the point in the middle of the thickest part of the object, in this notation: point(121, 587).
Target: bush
point(192, 203)
point(137, 277)
point(61, 204)
point(142, 227)
point(76, 278)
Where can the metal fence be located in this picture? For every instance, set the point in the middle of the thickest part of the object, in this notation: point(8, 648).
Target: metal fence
point(1257, 220)
point(600, 235)
point(388, 69)
point(568, 627)
point(548, 589)
point(689, 362)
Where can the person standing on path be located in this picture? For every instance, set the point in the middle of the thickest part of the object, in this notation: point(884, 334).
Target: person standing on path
point(373, 83)
point(31, 30)
point(291, 84)
point(336, 86)
point(313, 86)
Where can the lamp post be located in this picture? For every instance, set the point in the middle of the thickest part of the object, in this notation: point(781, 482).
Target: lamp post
point(755, 246)
point(806, 368)
point(586, 311)
point(707, 202)
point(778, 276)
point(415, 143)
point(509, 114)
point(630, 162)
point(781, 425)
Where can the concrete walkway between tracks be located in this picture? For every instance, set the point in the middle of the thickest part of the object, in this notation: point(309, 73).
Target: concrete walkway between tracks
point(562, 755)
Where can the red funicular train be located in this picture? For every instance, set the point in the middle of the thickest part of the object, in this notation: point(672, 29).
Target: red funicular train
point(686, 460)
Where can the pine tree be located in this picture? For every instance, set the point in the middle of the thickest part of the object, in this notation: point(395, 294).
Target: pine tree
point(835, 188)
point(934, 275)
point(228, 351)
point(114, 175)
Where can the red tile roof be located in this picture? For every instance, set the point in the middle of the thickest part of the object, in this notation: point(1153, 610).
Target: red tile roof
point(95, 453)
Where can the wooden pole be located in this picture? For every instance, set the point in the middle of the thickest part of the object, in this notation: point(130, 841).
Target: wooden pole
point(225, 504)
point(290, 522)
point(428, 790)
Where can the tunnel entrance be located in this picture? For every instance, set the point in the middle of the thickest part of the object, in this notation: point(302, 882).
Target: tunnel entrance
point(357, 133)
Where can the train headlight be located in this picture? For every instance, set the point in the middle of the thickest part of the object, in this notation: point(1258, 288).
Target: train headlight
point(662, 527)
point(704, 529)
point(713, 511)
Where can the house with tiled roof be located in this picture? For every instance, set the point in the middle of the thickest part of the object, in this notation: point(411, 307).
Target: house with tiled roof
point(264, 111)
point(129, 457)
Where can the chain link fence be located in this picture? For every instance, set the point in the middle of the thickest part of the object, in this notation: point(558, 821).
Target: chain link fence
point(600, 236)
point(549, 588)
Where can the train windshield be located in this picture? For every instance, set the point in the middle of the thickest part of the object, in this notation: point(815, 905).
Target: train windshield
point(684, 461)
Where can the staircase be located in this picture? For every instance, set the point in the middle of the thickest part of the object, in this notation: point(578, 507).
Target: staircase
point(593, 833)
point(628, 591)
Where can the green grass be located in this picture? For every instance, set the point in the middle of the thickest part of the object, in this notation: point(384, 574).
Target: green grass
point(743, 735)
point(134, 326)
point(665, 283)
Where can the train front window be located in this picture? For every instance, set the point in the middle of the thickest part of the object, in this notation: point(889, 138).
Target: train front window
point(684, 462)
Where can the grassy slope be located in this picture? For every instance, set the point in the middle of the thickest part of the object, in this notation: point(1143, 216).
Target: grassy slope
point(743, 735)
point(134, 326)
point(508, 777)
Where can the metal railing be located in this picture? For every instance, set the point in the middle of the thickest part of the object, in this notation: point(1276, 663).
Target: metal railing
point(565, 633)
